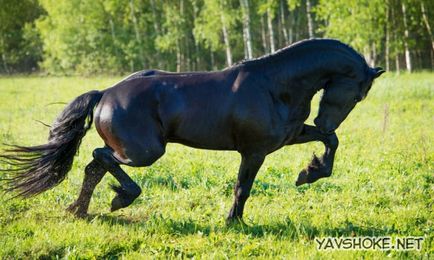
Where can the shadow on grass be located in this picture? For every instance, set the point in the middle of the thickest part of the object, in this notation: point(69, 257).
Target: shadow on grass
point(113, 220)
point(285, 229)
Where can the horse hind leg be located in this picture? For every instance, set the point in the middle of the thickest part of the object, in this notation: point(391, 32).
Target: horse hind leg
point(128, 190)
point(93, 174)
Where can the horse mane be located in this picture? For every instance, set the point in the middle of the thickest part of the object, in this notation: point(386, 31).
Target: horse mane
point(316, 42)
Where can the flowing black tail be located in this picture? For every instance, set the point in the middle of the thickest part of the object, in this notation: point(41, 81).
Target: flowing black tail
point(39, 168)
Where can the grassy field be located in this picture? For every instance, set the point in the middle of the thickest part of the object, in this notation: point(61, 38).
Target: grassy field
point(382, 186)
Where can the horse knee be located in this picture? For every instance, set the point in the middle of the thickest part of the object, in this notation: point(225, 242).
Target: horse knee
point(333, 141)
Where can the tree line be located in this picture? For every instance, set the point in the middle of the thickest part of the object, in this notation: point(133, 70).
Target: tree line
point(118, 36)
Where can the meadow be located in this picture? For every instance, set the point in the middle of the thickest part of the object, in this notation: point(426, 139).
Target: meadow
point(382, 185)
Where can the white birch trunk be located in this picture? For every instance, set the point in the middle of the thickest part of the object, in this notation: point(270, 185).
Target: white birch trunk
point(226, 40)
point(309, 19)
point(248, 53)
point(427, 25)
point(387, 43)
point(264, 36)
point(283, 21)
point(136, 30)
point(406, 37)
point(270, 30)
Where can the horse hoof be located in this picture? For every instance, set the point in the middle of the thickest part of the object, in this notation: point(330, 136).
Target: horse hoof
point(124, 198)
point(302, 178)
point(235, 221)
point(76, 210)
point(119, 202)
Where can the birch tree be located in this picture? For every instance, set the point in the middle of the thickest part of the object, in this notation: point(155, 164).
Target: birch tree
point(406, 37)
point(245, 7)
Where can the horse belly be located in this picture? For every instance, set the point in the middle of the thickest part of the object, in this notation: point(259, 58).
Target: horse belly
point(202, 130)
point(198, 123)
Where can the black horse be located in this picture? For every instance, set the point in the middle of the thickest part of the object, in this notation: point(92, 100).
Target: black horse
point(254, 107)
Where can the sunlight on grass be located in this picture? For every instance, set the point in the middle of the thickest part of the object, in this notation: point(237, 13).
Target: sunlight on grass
point(382, 186)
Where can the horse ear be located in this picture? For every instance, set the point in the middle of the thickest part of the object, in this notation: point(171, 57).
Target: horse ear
point(377, 71)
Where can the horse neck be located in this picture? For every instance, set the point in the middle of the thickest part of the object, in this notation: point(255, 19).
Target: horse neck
point(293, 73)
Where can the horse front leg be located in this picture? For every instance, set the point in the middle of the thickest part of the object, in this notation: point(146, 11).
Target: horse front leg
point(318, 167)
point(249, 167)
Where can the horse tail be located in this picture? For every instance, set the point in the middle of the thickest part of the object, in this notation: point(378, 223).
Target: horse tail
point(39, 168)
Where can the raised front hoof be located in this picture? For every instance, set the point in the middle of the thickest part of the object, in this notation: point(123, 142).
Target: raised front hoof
point(316, 170)
point(77, 210)
point(302, 178)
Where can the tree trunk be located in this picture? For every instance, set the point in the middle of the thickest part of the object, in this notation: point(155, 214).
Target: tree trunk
point(155, 18)
point(157, 29)
point(309, 19)
point(387, 43)
point(178, 57)
point(291, 31)
point(136, 30)
point(367, 54)
point(398, 68)
point(395, 26)
point(406, 38)
point(283, 21)
point(183, 46)
point(297, 25)
point(427, 25)
point(432, 59)
point(113, 34)
point(196, 45)
point(248, 54)
point(264, 35)
point(270, 30)
point(5, 65)
point(212, 59)
point(226, 40)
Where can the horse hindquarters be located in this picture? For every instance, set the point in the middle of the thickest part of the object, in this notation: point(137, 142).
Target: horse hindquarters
point(132, 136)
point(127, 121)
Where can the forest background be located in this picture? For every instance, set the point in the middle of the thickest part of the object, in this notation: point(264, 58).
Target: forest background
point(87, 37)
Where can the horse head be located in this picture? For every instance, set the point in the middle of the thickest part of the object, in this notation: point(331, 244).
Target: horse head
point(340, 96)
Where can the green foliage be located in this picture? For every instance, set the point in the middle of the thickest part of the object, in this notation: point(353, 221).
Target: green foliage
point(353, 21)
point(115, 36)
point(209, 23)
point(19, 41)
point(76, 37)
point(382, 185)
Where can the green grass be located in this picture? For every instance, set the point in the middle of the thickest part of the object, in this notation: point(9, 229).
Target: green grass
point(382, 186)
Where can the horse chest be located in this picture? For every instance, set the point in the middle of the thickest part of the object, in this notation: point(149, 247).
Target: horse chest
point(288, 122)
